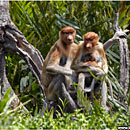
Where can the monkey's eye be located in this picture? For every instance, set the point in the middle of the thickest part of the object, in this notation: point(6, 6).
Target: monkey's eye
point(66, 33)
point(89, 39)
point(71, 33)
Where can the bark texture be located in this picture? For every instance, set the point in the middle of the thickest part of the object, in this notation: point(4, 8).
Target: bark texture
point(124, 56)
point(13, 41)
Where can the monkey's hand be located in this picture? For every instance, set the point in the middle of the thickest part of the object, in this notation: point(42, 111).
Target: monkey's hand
point(90, 68)
point(79, 67)
point(96, 71)
point(84, 65)
point(59, 69)
point(88, 64)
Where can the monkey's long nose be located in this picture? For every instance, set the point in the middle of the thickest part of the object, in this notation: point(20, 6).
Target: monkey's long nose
point(70, 38)
point(89, 46)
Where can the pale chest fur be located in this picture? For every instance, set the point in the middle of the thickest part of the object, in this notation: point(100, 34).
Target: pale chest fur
point(66, 60)
point(72, 52)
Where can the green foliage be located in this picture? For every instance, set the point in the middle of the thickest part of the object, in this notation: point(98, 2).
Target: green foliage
point(5, 101)
point(44, 19)
point(40, 22)
point(96, 118)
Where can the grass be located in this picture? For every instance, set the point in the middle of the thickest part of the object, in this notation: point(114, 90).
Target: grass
point(90, 118)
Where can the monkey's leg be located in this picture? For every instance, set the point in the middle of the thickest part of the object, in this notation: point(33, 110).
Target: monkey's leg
point(58, 91)
point(110, 86)
point(68, 81)
point(104, 95)
point(47, 105)
point(64, 95)
point(91, 87)
point(51, 93)
point(80, 88)
point(81, 81)
point(54, 86)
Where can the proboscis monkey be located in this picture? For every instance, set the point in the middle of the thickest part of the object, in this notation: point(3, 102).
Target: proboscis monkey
point(56, 68)
point(90, 54)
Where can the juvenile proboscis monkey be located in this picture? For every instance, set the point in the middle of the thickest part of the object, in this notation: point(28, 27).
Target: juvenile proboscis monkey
point(90, 55)
point(56, 73)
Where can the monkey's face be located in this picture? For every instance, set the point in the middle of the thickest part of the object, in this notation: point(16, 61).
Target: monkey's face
point(67, 35)
point(90, 40)
point(88, 44)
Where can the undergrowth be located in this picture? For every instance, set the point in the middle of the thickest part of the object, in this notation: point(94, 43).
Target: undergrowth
point(92, 118)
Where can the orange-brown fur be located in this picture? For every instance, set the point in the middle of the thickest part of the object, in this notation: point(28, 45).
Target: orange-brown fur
point(62, 47)
point(95, 48)
point(90, 54)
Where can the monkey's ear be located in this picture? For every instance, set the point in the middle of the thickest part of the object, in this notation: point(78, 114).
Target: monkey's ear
point(75, 32)
point(83, 37)
point(59, 33)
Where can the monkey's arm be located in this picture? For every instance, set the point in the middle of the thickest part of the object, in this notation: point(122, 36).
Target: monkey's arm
point(85, 67)
point(58, 69)
point(93, 66)
point(89, 63)
point(93, 69)
point(76, 61)
point(80, 66)
point(111, 41)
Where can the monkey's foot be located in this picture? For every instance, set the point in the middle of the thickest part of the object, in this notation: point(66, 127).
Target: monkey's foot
point(87, 90)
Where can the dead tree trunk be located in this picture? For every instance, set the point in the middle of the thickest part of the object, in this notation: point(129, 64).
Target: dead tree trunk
point(124, 57)
point(12, 41)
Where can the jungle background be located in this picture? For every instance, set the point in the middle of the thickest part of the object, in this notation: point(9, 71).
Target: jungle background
point(40, 22)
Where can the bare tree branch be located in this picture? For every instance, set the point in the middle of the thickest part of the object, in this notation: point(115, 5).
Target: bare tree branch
point(4, 84)
point(121, 36)
point(12, 41)
point(17, 44)
point(124, 56)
